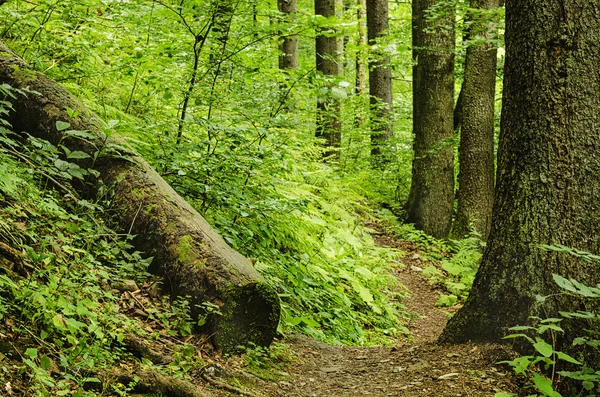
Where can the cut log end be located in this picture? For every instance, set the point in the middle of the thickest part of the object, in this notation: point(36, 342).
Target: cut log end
point(249, 315)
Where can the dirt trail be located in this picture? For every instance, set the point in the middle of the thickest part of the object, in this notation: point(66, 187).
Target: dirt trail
point(413, 367)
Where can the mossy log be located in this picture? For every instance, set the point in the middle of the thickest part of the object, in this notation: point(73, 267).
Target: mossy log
point(193, 259)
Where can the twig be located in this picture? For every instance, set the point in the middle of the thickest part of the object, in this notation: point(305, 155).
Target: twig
point(138, 302)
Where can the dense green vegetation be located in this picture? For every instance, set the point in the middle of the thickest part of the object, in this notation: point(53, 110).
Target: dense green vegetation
point(248, 164)
point(195, 88)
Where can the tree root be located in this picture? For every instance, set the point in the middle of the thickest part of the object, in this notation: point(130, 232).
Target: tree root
point(153, 382)
point(206, 375)
point(139, 348)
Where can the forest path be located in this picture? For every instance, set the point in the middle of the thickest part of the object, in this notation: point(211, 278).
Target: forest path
point(415, 366)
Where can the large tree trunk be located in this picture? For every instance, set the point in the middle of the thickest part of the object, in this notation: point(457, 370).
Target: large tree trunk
point(380, 76)
point(328, 62)
point(548, 175)
point(193, 259)
point(431, 197)
point(476, 151)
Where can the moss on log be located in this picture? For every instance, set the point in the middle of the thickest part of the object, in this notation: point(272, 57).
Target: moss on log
point(193, 259)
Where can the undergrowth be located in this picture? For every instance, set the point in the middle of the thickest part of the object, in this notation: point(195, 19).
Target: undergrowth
point(452, 264)
point(63, 320)
point(550, 370)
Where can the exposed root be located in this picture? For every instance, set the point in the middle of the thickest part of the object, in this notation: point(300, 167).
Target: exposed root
point(153, 382)
point(210, 370)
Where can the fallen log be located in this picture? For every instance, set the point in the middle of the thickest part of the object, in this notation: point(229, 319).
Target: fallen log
point(190, 256)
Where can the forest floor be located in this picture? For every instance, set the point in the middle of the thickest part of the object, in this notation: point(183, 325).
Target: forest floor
point(299, 366)
point(414, 366)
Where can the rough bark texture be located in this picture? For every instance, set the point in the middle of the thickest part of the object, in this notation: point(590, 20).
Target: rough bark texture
point(191, 256)
point(329, 124)
point(548, 175)
point(476, 151)
point(430, 201)
point(380, 76)
point(288, 47)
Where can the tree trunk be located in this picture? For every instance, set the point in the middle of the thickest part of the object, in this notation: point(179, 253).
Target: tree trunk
point(329, 124)
point(431, 197)
point(361, 55)
point(476, 151)
point(548, 175)
point(288, 47)
point(193, 259)
point(380, 76)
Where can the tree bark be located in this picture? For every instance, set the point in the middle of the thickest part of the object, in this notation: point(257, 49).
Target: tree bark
point(548, 175)
point(431, 197)
point(328, 62)
point(476, 150)
point(288, 47)
point(361, 56)
point(193, 259)
point(380, 76)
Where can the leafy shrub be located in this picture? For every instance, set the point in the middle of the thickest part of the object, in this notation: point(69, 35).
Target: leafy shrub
point(545, 358)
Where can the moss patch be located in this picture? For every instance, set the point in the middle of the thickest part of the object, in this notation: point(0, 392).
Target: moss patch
point(185, 249)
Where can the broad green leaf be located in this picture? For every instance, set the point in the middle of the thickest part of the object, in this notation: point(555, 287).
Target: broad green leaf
point(363, 292)
point(587, 385)
point(446, 300)
point(59, 321)
point(62, 125)
point(45, 362)
point(81, 134)
point(543, 348)
point(564, 283)
point(566, 357)
point(544, 385)
point(31, 353)
point(553, 327)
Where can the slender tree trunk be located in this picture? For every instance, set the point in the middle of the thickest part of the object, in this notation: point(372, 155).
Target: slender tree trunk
point(361, 55)
point(476, 150)
point(288, 47)
point(548, 175)
point(431, 197)
point(192, 258)
point(329, 124)
point(380, 76)
point(288, 52)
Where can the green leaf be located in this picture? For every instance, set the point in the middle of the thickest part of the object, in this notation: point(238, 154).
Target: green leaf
point(521, 328)
point(446, 300)
point(31, 353)
point(62, 125)
point(363, 292)
point(564, 283)
point(544, 328)
point(543, 348)
point(78, 155)
point(587, 385)
point(81, 134)
point(504, 394)
point(551, 320)
point(567, 358)
point(544, 385)
point(45, 362)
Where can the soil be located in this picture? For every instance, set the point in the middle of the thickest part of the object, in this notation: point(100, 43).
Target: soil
point(414, 366)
